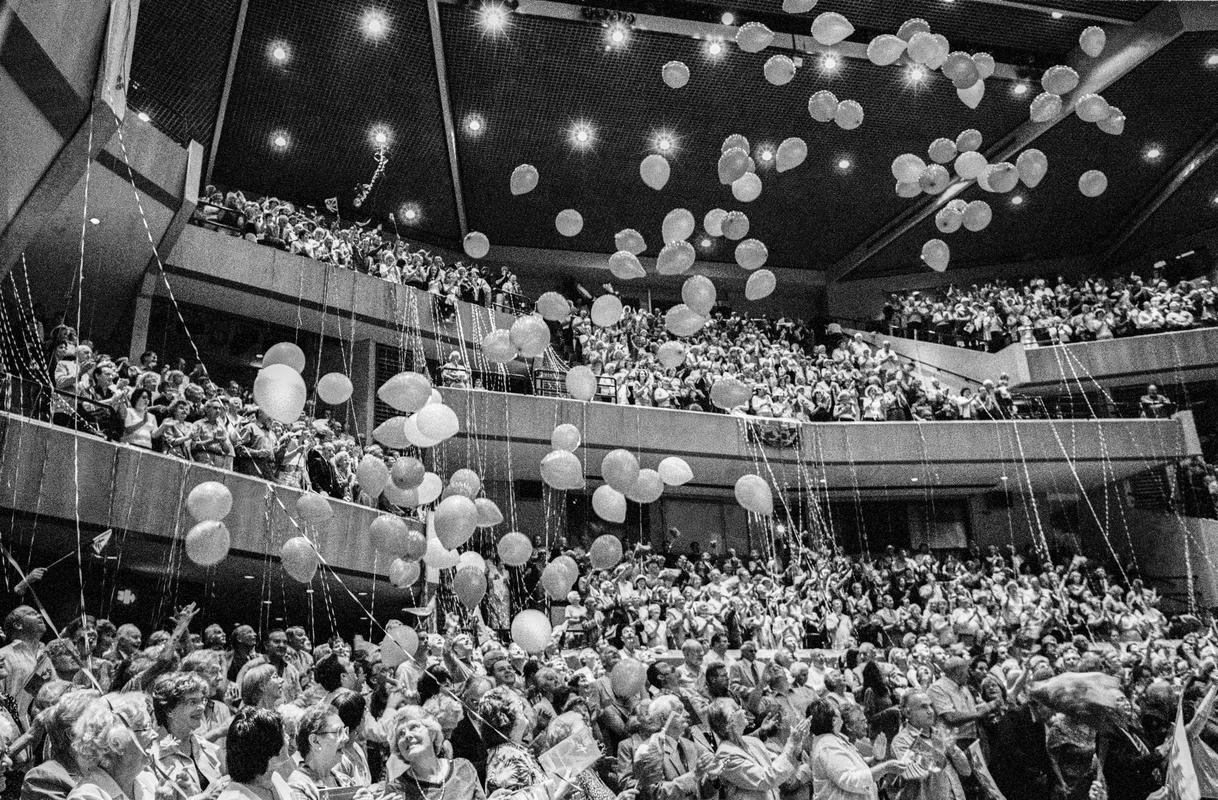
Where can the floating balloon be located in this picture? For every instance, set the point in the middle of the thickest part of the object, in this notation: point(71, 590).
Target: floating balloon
point(674, 471)
point(779, 70)
point(388, 534)
point(942, 150)
point(497, 346)
point(1114, 123)
point(334, 388)
point(752, 254)
point(934, 179)
point(437, 421)
point(1092, 183)
point(1092, 108)
point(606, 310)
point(372, 475)
point(971, 96)
point(968, 140)
point(977, 215)
point(429, 490)
point(629, 240)
point(399, 644)
point(569, 222)
point(969, 165)
point(469, 585)
point(1092, 40)
point(524, 179)
point(392, 433)
point(403, 574)
point(822, 105)
point(313, 507)
point(625, 265)
point(736, 225)
point(949, 219)
point(565, 437)
point(675, 74)
point(728, 393)
point(438, 556)
point(415, 436)
point(671, 354)
point(907, 167)
point(1045, 107)
point(620, 469)
point(848, 115)
point(280, 393)
point(712, 223)
point(466, 482)
point(753, 493)
point(681, 320)
point(605, 552)
point(531, 335)
point(791, 153)
point(939, 55)
point(406, 391)
point(299, 558)
point(747, 187)
point(830, 28)
point(581, 383)
point(562, 470)
point(531, 630)
point(734, 140)
point(908, 190)
point(285, 353)
point(647, 489)
point(885, 49)
point(922, 47)
point(609, 504)
point(655, 171)
point(678, 225)
point(753, 37)
point(961, 70)
point(1032, 165)
point(553, 306)
point(628, 679)
point(733, 164)
point(798, 6)
point(912, 26)
point(455, 520)
point(514, 549)
point(675, 258)
point(760, 284)
point(476, 245)
point(1000, 178)
point(207, 543)
point(1059, 80)
point(402, 498)
point(698, 292)
point(985, 65)
point(936, 254)
point(209, 501)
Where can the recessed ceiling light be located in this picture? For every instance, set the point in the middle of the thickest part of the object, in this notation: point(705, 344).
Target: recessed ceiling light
point(1211, 60)
point(493, 17)
point(914, 479)
point(1057, 15)
point(266, 602)
point(474, 124)
point(1002, 478)
point(379, 135)
point(916, 75)
point(582, 135)
point(1152, 152)
point(714, 47)
point(143, 116)
point(767, 155)
point(844, 164)
point(617, 34)
point(706, 242)
point(664, 142)
point(94, 221)
point(375, 24)
point(1020, 88)
point(409, 213)
point(1214, 199)
point(279, 52)
point(1017, 200)
point(279, 140)
point(728, 18)
point(830, 63)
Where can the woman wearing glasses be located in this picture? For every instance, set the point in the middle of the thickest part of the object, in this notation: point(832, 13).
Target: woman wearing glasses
point(319, 747)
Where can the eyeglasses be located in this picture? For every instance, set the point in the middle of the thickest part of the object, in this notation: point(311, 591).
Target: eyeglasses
point(332, 733)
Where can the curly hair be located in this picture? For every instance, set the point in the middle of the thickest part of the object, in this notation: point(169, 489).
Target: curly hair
point(313, 721)
point(104, 730)
point(171, 690)
point(414, 713)
point(444, 709)
point(255, 736)
point(498, 709)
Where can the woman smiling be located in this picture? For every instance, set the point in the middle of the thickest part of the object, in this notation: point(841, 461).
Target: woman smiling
point(415, 770)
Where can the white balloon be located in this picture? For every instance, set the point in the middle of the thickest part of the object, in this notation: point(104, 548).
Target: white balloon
point(734, 140)
point(476, 244)
point(609, 504)
point(553, 306)
point(1114, 123)
point(655, 171)
point(675, 74)
point(779, 70)
point(531, 335)
point(942, 150)
point(625, 265)
point(372, 475)
point(912, 26)
point(747, 187)
point(961, 70)
point(674, 471)
point(581, 383)
point(280, 392)
point(949, 219)
point(798, 6)
point(885, 49)
point(392, 433)
point(1059, 80)
point(753, 37)
point(733, 163)
point(753, 493)
point(437, 421)
point(1045, 107)
point(515, 550)
point(830, 28)
point(209, 501)
point(907, 168)
point(728, 393)
point(299, 558)
point(416, 437)
point(681, 320)
point(620, 469)
point(791, 153)
point(671, 354)
point(968, 140)
point(431, 487)
point(1000, 178)
point(455, 520)
point(934, 179)
point(565, 437)
point(735, 225)
point(524, 179)
point(675, 258)
point(647, 489)
point(562, 470)
point(936, 254)
point(985, 65)
point(760, 284)
point(630, 240)
point(1092, 108)
point(569, 222)
point(285, 353)
point(908, 190)
point(1032, 165)
point(939, 56)
point(977, 215)
point(848, 115)
point(497, 346)
point(1092, 40)
point(969, 165)
point(922, 47)
point(971, 96)
point(712, 223)
point(606, 310)
point(406, 391)
point(207, 543)
point(822, 105)
point(751, 254)
point(1092, 183)
point(698, 292)
point(678, 225)
point(489, 514)
point(334, 388)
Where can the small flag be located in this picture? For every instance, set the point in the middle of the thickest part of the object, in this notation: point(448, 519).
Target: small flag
point(101, 540)
point(1181, 778)
point(332, 204)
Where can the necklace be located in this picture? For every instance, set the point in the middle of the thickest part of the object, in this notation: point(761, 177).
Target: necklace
point(419, 786)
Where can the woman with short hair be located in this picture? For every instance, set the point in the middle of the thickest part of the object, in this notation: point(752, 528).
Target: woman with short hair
point(838, 770)
point(416, 740)
point(111, 744)
point(748, 770)
point(256, 752)
point(180, 754)
point(262, 687)
point(320, 737)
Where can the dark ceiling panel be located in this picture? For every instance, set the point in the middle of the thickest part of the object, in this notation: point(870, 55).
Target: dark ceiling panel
point(179, 62)
point(1193, 208)
point(336, 86)
point(533, 82)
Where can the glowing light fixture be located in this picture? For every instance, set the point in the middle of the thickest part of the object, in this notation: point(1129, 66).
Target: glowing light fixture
point(582, 135)
point(143, 116)
point(844, 165)
point(493, 17)
point(714, 47)
point(1017, 200)
point(94, 221)
point(1057, 15)
point(380, 136)
point(728, 18)
point(474, 124)
point(409, 213)
point(617, 34)
point(1020, 89)
point(1152, 152)
point(279, 52)
point(706, 242)
point(767, 155)
point(375, 24)
point(664, 142)
point(916, 75)
point(830, 64)
point(1211, 60)
point(279, 140)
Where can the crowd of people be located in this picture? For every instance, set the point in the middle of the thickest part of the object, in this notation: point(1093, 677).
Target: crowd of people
point(810, 676)
point(1035, 311)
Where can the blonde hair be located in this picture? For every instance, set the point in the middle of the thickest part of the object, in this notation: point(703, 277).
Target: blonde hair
point(409, 714)
point(106, 727)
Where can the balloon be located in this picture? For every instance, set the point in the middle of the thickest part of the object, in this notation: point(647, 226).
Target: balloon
point(402, 498)
point(655, 171)
point(629, 240)
point(822, 105)
point(313, 507)
point(1114, 123)
point(678, 225)
point(907, 167)
point(698, 292)
point(1032, 165)
point(476, 245)
point(671, 354)
point(939, 55)
point(372, 475)
point(556, 580)
point(515, 549)
point(977, 215)
point(675, 258)
point(753, 493)
point(469, 585)
point(849, 115)
point(569, 222)
point(674, 471)
point(760, 284)
point(712, 223)
point(1001, 177)
point(209, 501)
point(791, 153)
point(531, 335)
point(620, 469)
point(388, 534)
point(971, 96)
point(418, 439)
point(908, 190)
point(798, 6)
point(1092, 183)
point(985, 65)
point(911, 26)
point(735, 225)
point(285, 353)
point(961, 70)
point(733, 164)
point(830, 28)
point(553, 306)
point(625, 265)
point(934, 179)
point(734, 140)
point(728, 393)
point(437, 421)
point(605, 552)
point(675, 74)
point(524, 179)
point(1092, 41)
point(299, 558)
point(609, 504)
point(968, 141)
point(942, 150)
point(334, 388)
point(581, 383)
point(606, 310)
point(922, 47)
point(1092, 108)
point(779, 70)
point(399, 644)
point(648, 488)
point(936, 254)
point(403, 574)
point(969, 165)
point(1045, 107)
point(406, 391)
point(466, 482)
point(438, 556)
point(489, 514)
point(280, 392)
point(751, 254)
point(392, 433)
point(430, 488)
point(207, 543)
point(1059, 80)
point(628, 679)
point(531, 630)
point(753, 37)
point(949, 219)
point(747, 187)
point(565, 437)
point(562, 470)
point(885, 49)
point(497, 346)
point(681, 320)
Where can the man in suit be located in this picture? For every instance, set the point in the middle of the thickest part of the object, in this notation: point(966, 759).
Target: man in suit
point(744, 676)
point(669, 766)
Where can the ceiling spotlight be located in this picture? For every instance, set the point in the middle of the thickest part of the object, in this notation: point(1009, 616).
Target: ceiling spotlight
point(714, 47)
point(706, 242)
point(617, 34)
point(249, 577)
point(143, 116)
point(914, 479)
point(1017, 200)
point(767, 155)
point(916, 75)
point(94, 221)
point(493, 17)
point(1057, 15)
point(375, 24)
point(1152, 152)
point(844, 165)
point(380, 136)
point(1211, 60)
point(582, 135)
point(279, 140)
point(728, 18)
point(474, 124)
point(1002, 477)
point(1020, 88)
point(279, 52)
point(664, 143)
point(1214, 200)
point(409, 213)
point(830, 63)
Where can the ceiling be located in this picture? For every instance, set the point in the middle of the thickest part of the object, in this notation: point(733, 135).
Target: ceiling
point(550, 69)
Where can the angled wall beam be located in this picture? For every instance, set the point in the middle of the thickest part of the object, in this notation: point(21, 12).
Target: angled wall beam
point(450, 133)
point(1127, 48)
point(238, 33)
